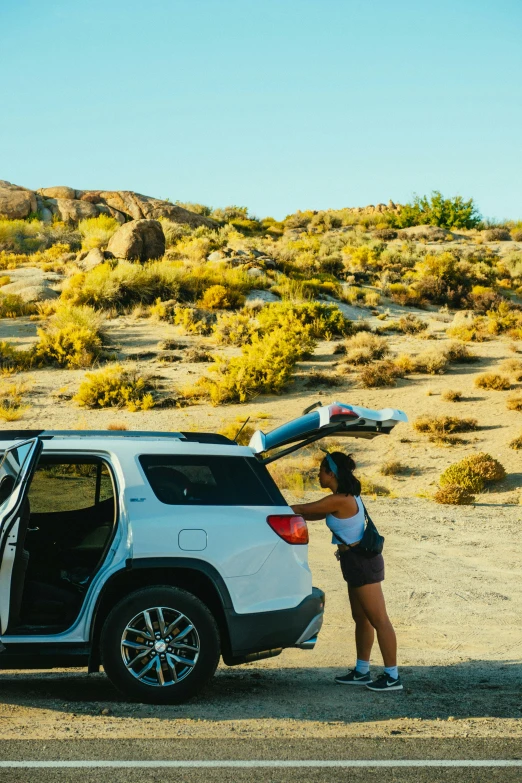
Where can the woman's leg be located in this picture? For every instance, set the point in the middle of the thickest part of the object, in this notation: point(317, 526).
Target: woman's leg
point(364, 633)
point(371, 600)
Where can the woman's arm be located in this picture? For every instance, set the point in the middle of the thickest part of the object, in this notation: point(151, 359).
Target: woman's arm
point(318, 509)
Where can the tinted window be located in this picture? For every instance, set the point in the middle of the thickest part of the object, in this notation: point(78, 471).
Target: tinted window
point(212, 481)
point(69, 486)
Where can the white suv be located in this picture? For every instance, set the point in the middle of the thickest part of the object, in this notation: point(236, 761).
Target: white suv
point(154, 554)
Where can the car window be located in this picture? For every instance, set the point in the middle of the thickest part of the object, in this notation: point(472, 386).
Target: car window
point(69, 486)
point(209, 480)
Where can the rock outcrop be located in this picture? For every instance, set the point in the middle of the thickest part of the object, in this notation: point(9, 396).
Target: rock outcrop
point(16, 202)
point(138, 240)
point(72, 205)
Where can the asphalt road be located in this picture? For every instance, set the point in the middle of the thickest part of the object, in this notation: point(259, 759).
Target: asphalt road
point(308, 760)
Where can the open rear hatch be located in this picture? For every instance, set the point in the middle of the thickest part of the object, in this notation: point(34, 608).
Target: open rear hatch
point(335, 420)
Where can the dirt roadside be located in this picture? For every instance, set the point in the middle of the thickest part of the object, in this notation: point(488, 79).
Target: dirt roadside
point(454, 591)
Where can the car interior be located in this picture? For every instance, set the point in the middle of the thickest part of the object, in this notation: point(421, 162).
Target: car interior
point(66, 525)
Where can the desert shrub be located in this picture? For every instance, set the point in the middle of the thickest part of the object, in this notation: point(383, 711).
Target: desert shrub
point(12, 358)
point(363, 348)
point(22, 236)
point(218, 297)
point(117, 426)
point(13, 306)
point(513, 368)
point(405, 364)
point(193, 319)
point(73, 337)
point(116, 387)
point(407, 324)
point(473, 472)
point(231, 430)
point(469, 331)
point(4, 280)
point(436, 210)
point(234, 328)
point(323, 320)
point(460, 354)
point(453, 495)
point(314, 379)
point(393, 468)
point(442, 425)
point(451, 395)
point(379, 374)
point(372, 299)
point(516, 443)
point(12, 404)
point(434, 362)
point(353, 295)
point(492, 381)
point(265, 366)
point(497, 235)
point(402, 294)
point(96, 232)
point(513, 403)
point(197, 355)
point(386, 234)
point(517, 235)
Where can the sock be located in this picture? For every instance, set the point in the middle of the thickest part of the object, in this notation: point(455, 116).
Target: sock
point(363, 667)
point(393, 671)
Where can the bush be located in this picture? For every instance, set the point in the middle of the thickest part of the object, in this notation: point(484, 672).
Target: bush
point(231, 431)
point(13, 306)
point(492, 381)
point(516, 443)
point(473, 472)
point(460, 354)
point(442, 425)
point(218, 297)
point(513, 403)
point(73, 337)
point(438, 211)
point(393, 468)
point(193, 320)
point(379, 375)
point(363, 348)
point(386, 234)
point(497, 235)
point(315, 379)
point(323, 320)
point(96, 232)
point(265, 365)
point(116, 387)
point(407, 324)
point(451, 395)
point(513, 368)
point(453, 495)
point(431, 362)
point(404, 364)
point(197, 355)
point(234, 328)
point(12, 405)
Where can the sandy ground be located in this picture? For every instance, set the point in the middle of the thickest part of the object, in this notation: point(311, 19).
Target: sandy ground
point(454, 592)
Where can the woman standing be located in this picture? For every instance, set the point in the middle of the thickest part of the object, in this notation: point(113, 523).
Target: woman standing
point(344, 514)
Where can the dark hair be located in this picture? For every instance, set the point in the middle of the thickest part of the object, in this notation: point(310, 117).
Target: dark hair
point(348, 484)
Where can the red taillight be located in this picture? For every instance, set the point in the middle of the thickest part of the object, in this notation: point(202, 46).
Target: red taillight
point(291, 527)
point(339, 410)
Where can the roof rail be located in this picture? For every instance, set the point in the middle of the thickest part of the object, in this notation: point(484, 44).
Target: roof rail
point(195, 437)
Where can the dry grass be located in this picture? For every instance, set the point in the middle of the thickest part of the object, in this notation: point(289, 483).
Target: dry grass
point(443, 425)
point(512, 368)
point(514, 402)
point(393, 468)
point(453, 495)
point(452, 395)
point(364, 348)
point(516, 443)
point(492, 381)
point(379, 375)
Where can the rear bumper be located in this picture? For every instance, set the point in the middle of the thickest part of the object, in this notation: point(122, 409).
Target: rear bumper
point(264, 634)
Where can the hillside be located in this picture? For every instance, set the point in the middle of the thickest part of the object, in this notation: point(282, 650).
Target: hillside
point(125, 311)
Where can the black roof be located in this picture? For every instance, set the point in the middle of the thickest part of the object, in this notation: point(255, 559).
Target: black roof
point(191, 437)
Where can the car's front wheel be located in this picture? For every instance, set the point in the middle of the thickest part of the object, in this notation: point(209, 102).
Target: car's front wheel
point(160, 645)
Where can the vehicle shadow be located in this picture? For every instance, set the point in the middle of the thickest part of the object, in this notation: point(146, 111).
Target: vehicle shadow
point(471, 689)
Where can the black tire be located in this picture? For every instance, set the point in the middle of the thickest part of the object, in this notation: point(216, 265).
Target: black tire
point(118, 639)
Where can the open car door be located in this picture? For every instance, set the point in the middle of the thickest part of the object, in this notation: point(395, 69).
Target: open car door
point(16, 471)
point(335, 420)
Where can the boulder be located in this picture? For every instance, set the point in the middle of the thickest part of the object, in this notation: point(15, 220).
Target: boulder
point(71, 210)
point(216, 255)
point(139, 240)
point(92, 258)
point(16, 202)
point(254, 271)
point(31, 291)
point(60, 191)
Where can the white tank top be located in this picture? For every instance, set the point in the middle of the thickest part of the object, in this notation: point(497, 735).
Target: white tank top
point(350, 530)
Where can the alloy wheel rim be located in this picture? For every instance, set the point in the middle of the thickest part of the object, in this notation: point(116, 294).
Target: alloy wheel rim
point(160, 646)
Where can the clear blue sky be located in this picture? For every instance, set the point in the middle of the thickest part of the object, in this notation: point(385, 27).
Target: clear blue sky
point(274, 104)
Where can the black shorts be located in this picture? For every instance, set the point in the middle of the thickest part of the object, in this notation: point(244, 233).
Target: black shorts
point(359, 569)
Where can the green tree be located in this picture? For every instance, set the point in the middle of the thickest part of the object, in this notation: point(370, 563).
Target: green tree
point(436, 210)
